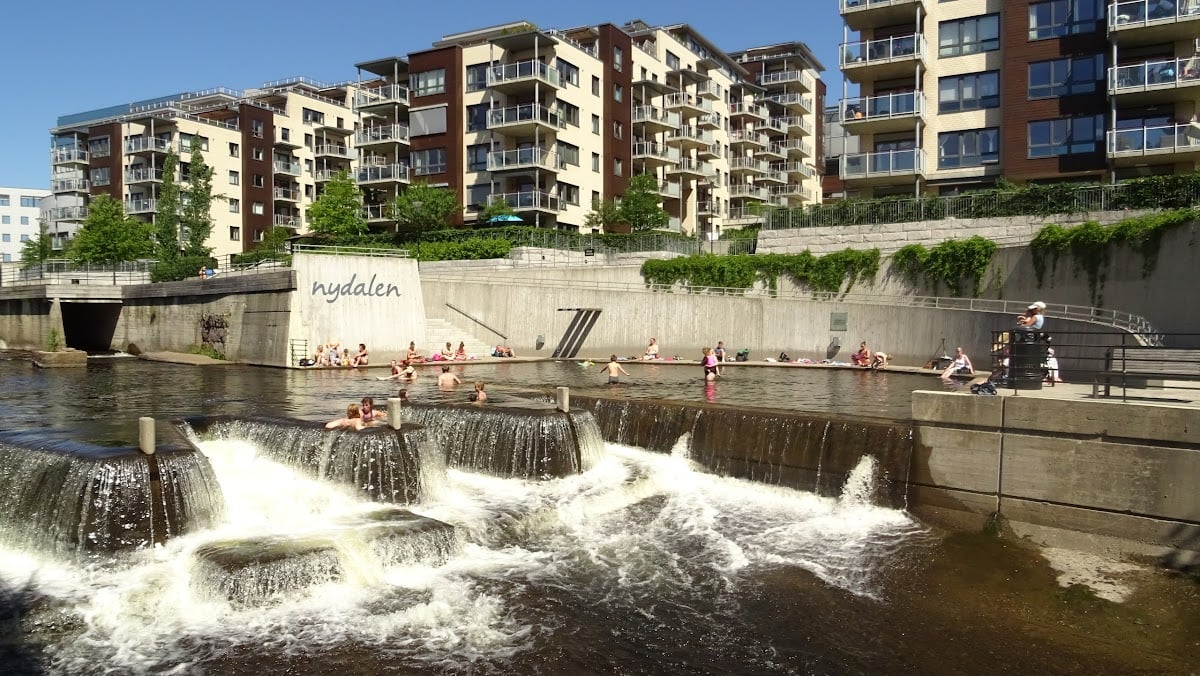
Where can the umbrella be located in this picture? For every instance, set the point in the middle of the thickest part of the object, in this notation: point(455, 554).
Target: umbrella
point(505, 218)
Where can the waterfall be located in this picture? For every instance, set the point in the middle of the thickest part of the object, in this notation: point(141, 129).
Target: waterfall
point(860, 484)
point(76, 499)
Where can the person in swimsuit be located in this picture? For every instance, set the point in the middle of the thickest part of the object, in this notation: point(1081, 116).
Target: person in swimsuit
point(863, 356)
point(479, 395)
point(367, 412)
point(614, 370)
point(447, 380)
point(353, 420)
point(710, 364)
point(461, 353)
point(651, 350)
point(960, 365)
point(360, 357)
point(414, 357)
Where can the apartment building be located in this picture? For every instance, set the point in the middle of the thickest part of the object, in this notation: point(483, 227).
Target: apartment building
point(954, 95)
point(20, 210)
point(549, 121)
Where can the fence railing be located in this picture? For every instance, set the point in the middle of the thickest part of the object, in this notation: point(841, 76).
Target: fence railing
point(334, 250)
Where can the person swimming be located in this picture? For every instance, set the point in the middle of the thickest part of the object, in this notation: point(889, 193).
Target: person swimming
point(353, 420)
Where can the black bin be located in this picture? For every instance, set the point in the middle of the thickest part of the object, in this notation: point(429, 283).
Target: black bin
point(1025, 361)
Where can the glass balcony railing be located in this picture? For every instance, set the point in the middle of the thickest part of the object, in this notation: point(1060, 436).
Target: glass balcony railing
point(521, 115)
point(884, 106)
point(1136, 13)
point(141, 144)
point(141, 206)
point(377, 212)
point(748, 164)
point(752, 137)
point(73, 213)
point(642, 114)
point(286, 194)
point(521, 158)
point(1158, 74)
point(376, 174)
point(860, 5)
point(143, 175)
point(650, 149)
point(381, 134)
point(287, 220)
point(534, 200)
point(285, 167)
point(333, 151)
point(687, 100)
point(751, 109)
point(523, 71)
point(68, 155)
point(69, 185)
point(866, 52)
point(1169, 138)
point(909, 162)
point(387, 94)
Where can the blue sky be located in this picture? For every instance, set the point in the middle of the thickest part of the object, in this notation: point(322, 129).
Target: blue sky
point(70, 56)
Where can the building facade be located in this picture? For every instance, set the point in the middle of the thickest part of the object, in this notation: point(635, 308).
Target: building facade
point(20, 211)
point(953, 96)
point(548, 121)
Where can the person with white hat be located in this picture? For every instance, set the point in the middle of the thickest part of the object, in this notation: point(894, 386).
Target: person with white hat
point(1033, 319)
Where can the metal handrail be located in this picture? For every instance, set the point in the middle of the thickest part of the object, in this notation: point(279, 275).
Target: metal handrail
point(349, 250)
point(464, 313)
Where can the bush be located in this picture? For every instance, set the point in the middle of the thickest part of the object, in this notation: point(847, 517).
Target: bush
point(819, 273)
point(184, 267)
point(952, 263)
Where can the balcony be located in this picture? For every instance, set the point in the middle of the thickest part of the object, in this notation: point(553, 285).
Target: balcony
point(712, 121)
point(143, 175)
point(710, 90)
point(66, 185)
point(688, 105)
point(773, 176)
point(884, 113)
point(743, 215)
point(286, 168)
point(689, 169)
point(533, 200)
point(381, 97)
point(797, 103)
point(286, 194)
point(795, 170)
point(754, 111)
point(384, 173)
point(1153, 21)
point(883, 167)
point(655, 154)
point(334, 151)
point(137, 145)
point(523, 120)
point(884, 58)
point(800, 125)
point(793, 148)
point(713, 151)
point(523, 75)
point(287, 220)
point(792, 193)
point(655, 119)
point(775, 151)
point(523, 159)
point(280, 141)
point(691, 137)
point(388, 133)
point(375, 213)
point(1154, 81)
point(326, 175)
point(860, 14)
point(748, 165)
point(141, 206)
point(752, 139)
point(793, 78)
point(670, 190)
point(748, 191)
point(73, 213)
point(1170, 143)
point(69, 155)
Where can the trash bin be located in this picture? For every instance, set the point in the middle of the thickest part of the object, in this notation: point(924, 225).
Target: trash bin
point(1026, 356)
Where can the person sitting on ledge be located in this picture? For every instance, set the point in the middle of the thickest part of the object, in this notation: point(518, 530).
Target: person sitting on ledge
point(960, 366)
point(414, 357)
point(1033, 319)
point(360, 358)
point(447, 353)
point(461, 353)
point(353, 420)
point(503, 351)
point(651, 350)
point(863, 356)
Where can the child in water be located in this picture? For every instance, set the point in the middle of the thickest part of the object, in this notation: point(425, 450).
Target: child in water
point(614, 369)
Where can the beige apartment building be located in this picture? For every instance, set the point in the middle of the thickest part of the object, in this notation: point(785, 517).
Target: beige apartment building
point(549, 121)
point(952, 96)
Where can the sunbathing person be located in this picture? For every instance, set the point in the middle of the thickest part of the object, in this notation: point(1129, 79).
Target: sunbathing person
point(360, 358)
point(863, 356)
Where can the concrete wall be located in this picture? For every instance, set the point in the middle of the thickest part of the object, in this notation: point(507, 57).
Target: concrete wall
point(1089, 466)
point(26, 323)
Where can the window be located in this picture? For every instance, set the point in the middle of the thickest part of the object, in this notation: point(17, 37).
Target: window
point(5, 237)
point(969, 36)
point(308, 167)
point(969, 92)
point(24, 237)
point(1063, 77)
point(259, 234)
point(311, 116)
point(256, 128)
point(596, 162)
point(185, 171)
point(24, 220)
point(477, 76)
point(431, 120)
point(672, 61)
point(618, 130)
point(595, 124)
point(567, 154)
point(477, 116)
point(235, 233)
point(1064, 17)
point(100, 175)
point(256, 208)
point(477, 195)
point(285, 134)
point(4, 200)
point(477, 157)
point(27, 201)
point(1066, 136)
point(257, 153)
point(100, 147)
point(618, 93)
point(568, 193)
point(235, 205)
point(5, 220)
point(595, 86)
point(234, 150)
point(618, 58)
point(308, 141)
point(185, 142)
point(970, 148)
point(618, 167)
point(568, 72)
point(235, 178)
point(595, 198)
point(567, 113)
point(6, 258)
point(429, 82)
point(431, 161)
point(259, 180)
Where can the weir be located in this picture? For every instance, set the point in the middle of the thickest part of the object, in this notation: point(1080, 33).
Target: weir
point(76, 499)
point(523, 442)
point(811, 452)
point(385, 465)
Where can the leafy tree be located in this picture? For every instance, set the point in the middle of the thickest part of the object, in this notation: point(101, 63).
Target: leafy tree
point(166, 221)
point(603, 216)
point(338, 211)
point(423, 207)
point(497, 207)
point(110, 236)
point(641, 207)
point(196, 222)
point(38, 248)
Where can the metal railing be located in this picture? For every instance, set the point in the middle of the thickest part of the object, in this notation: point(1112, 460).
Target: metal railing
point(57, 271)
point(1137, 13)
point(349, 251)
point(473, 319)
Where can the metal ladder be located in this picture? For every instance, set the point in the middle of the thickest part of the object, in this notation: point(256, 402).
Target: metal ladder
point(298, 347)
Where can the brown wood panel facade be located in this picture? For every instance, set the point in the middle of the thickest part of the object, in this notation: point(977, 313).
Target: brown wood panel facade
point(116, 152)
point(258, 137)
point(616, 113)
point(453, 140)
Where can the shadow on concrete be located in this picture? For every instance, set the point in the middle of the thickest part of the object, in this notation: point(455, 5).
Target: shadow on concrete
point(16, 655)
point(1184, 557)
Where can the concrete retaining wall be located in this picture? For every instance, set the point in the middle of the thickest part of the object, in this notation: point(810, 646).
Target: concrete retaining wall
point(1108, 468)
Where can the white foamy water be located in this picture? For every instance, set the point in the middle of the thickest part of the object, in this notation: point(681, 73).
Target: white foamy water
point(635, 528)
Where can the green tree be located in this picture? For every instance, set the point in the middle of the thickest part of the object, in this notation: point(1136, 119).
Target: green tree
point(641, 207)
point(603, 216)
point(166, 221)
point(338, 211)
point(496, 208)
point(422, 207)
point(196, 223)
point(38, 248)
point(110, 236)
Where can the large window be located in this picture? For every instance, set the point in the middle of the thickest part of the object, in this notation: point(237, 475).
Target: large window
point(4, 200)
point(1064, 17)
point(1063, 77)
point(477, 157)
point(101, 175)
point(477, 196)
point(568, 193)
point(1066, 136)
point(969, 92)
point(567, 113)
point(568, 154)
point(477, 116)
point(431, 161)
point(28, 201)
point(429, 82)
point(969, 36)
point(477, 76)
point(568, 71)
point(970, 148)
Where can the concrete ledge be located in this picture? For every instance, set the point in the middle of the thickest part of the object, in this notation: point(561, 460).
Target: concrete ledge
point(950, 508)
point(65, 358)
point(949, 408)
point(1111, 419)
point(259, 282)
point(952, 458)
point(1139, 528)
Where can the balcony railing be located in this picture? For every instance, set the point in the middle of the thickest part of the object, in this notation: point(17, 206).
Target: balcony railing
point(799, 123)
point(287, 220)
point(743, 136)
point(669, 189)
point(748, 164)
point(69, 185)
point(650, 149)
point(654, 114)
point(1151, 75)
point(334, 150)
point(859, 5)
point(286, 194)
point(751, 109)
point(376, 174)
point(522, 158)
point(748, 191)
point(1165, 139)
point(1136, 13)
point(73, 213)
point(687, 100)
point(68, 155)
point(387, 94)
point(284, 167)
point(701, 136)
point(533, 200)
point(141, 206)
point(523, 71)
point(895, 48)
point(377, 212)
point(143, 175)
point(711, 89)
point(142, 144)
point(380, 134)
point(883, 164)
point(793, 146)
point(803, 101)
point(521, 115)
point(884, 106)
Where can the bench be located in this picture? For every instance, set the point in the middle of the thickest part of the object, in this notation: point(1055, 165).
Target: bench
point(1123, 364)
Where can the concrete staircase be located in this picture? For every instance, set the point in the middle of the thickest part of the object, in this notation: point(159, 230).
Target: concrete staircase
point(438, 332)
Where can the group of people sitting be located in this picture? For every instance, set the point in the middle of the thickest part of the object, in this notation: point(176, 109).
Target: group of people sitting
point(329, 354)
point(865, 357)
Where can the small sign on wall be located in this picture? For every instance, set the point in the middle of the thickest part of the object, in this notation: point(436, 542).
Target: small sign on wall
point(838, 321)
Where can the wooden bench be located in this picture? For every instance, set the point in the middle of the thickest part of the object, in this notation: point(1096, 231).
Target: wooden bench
point(1123, 364)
